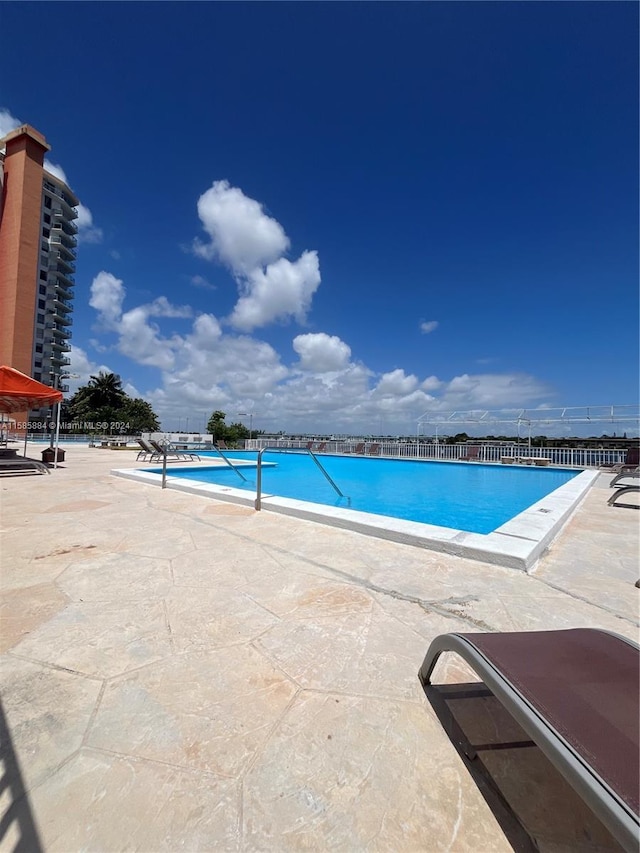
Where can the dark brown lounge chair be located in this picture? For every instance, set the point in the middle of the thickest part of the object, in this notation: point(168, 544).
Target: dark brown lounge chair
point(631, 460)
point(576, 694)
point(172, 452)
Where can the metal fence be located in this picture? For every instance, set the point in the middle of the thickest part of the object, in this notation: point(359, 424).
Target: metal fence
point(573, 457)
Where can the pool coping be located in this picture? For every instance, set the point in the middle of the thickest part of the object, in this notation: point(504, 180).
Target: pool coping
point(517, 544)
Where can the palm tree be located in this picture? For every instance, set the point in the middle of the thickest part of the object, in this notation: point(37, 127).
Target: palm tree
point(106, 390)
point(99, 398)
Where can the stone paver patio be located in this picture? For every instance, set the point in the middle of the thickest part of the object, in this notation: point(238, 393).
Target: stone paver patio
point(185, 674)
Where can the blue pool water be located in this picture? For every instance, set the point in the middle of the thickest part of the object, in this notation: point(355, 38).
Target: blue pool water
point(466, 496)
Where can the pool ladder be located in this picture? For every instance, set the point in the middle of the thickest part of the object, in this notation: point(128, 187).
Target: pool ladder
point(230, 464)
point(258, 501)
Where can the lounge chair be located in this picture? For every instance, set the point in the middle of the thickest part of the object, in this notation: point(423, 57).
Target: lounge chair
point(147, 450)
point(576, 694)
point(221, 443)
point(629, 474)
point(631, 460)
point(359, 448)
point(171, 451)
point(472, 454)
point(320, 448)
point(374, 450)
point(22, 465)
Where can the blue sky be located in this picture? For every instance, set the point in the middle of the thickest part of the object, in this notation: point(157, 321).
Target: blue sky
point(339, 216)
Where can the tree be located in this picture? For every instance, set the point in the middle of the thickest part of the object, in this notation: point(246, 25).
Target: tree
point(103, 401)
point(139, 416)
point(221, 432)
point(99, 399)
point(216, 425)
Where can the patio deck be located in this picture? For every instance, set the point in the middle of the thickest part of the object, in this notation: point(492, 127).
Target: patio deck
point(183, 673)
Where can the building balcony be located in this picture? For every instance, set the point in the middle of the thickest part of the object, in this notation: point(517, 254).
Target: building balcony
point(65, 249)
point(61, 302)
point(62, 280)
point(59, 346)
point(58, 235)
point(64, 221)
point(66, 205)
point(61, 319)
point(61, 360)
point(58, 330)
point(59, 262)
point(62, 290)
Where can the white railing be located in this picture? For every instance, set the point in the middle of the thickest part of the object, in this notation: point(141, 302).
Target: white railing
point(573, 457)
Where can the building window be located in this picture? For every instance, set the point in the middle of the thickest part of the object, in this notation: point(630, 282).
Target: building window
point(41, 304)
point(38, 347)
point(43, 275)
point(45, 232)
point(38, 362)
point(47, 218)
point(43, 289)
point(39, 334)
point(47, 201)
point(40, 318)
point(37, 375)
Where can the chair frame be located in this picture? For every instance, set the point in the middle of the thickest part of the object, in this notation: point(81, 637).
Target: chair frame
point(623, 823)
point(624, 490)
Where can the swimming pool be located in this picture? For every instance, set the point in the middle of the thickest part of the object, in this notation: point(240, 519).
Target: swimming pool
point(473, 497)
point(517, 543)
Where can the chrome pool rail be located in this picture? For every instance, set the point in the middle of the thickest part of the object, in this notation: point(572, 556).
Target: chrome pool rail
point(258, 500)
point(230, 464)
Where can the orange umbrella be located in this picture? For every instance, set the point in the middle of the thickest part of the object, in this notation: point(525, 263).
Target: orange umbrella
point(20, 393)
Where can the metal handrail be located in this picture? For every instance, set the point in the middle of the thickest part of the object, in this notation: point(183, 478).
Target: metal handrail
point(230, 464)
point(258, 501)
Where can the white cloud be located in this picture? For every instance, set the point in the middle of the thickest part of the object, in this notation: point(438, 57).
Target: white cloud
point(252, 244)
point(201, 281)
point(241, 234)
point(396, 383)
point(161, 307)
point(143, 342)
point(428, 326)
point(8, 122)
point(206, 368)
point(107, 295)
point(281, 290)
point(321, 353)
point(492, 390)
point(431, 383)
point(138, 338)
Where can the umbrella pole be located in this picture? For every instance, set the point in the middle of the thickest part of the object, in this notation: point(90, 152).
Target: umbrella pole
point(55, 464)
point(26, 436)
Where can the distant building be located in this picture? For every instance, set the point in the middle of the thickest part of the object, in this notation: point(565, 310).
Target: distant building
point(37, 259)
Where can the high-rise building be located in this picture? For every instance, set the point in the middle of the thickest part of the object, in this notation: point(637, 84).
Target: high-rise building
point(37, 259)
